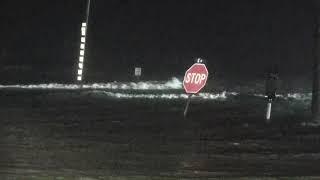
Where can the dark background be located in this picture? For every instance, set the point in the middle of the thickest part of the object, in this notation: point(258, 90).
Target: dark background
point(239, 39)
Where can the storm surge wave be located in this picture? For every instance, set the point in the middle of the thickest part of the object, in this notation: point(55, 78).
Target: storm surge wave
point(171, 89)
point(224, 95)
point(207, 96)
point(173, 83)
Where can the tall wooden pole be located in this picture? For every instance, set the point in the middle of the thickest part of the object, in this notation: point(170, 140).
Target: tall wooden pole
point(316, 79)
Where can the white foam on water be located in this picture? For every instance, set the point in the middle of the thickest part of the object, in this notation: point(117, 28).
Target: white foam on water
point(206, 96)
point(294, 96)
point(172, 84)
point(300, 96)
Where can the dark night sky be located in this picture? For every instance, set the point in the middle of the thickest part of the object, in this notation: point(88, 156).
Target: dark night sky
point(239, 38)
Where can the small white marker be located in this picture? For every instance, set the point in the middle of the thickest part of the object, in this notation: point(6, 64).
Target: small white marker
point(268, 114)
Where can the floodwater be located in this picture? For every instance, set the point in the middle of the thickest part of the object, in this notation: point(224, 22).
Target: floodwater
point(136, 131)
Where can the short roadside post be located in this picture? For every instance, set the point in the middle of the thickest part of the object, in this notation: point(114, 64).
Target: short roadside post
point(272, 83)
point(194, 80)
point(268, 113)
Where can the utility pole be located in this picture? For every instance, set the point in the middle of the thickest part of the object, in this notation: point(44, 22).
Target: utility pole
point(84, 29)
point(316, 79)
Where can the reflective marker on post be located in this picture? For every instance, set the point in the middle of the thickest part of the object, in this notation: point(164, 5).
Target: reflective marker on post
point(84, 29)
point(83, 39)
point(82, 51)
point(80, 65)
point(82, 46)
point(268, 113)
point(80, 72)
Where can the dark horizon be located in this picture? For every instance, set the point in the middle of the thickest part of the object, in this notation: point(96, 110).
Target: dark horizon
point(239, 40)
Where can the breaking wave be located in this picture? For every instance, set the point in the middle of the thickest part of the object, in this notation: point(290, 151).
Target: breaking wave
point(152, 86)
point(174, 83)
point(288, 96)
point(205, 96)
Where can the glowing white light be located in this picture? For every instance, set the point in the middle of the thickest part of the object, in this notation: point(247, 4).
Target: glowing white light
point(84, 24)
point(82, 46)
point(81, 58)
point(80, 72)
point(83, 39)
point(81, 65)
point(199, 60)
point(79, 78)
point(81, 52)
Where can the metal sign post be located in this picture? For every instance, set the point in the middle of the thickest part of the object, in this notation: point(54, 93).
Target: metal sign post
point(272, 85)
point(187, 105)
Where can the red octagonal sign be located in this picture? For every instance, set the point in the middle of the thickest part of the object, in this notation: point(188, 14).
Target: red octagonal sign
point(195, 78)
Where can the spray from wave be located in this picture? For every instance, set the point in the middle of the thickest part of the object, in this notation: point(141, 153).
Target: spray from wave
point(203, 96)
point(174, 83)
point(155, 89)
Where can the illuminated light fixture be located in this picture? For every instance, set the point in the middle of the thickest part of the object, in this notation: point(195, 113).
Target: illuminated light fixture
point(79, 78)
point(81, 52)
point(82, 46)
point(84, 24)
point(80, 65)
point(80, 72)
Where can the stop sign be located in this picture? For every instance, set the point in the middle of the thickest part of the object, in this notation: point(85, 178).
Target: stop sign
point(195, 78)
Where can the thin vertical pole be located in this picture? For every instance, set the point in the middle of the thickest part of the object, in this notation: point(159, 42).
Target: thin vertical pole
point(84, 29)
point(315, 89)
point(187, 106)
point(88, 12)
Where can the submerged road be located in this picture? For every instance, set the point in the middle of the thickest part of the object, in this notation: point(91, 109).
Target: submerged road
point(71, 134)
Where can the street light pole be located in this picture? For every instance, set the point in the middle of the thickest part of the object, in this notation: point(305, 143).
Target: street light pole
point(84, 29)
